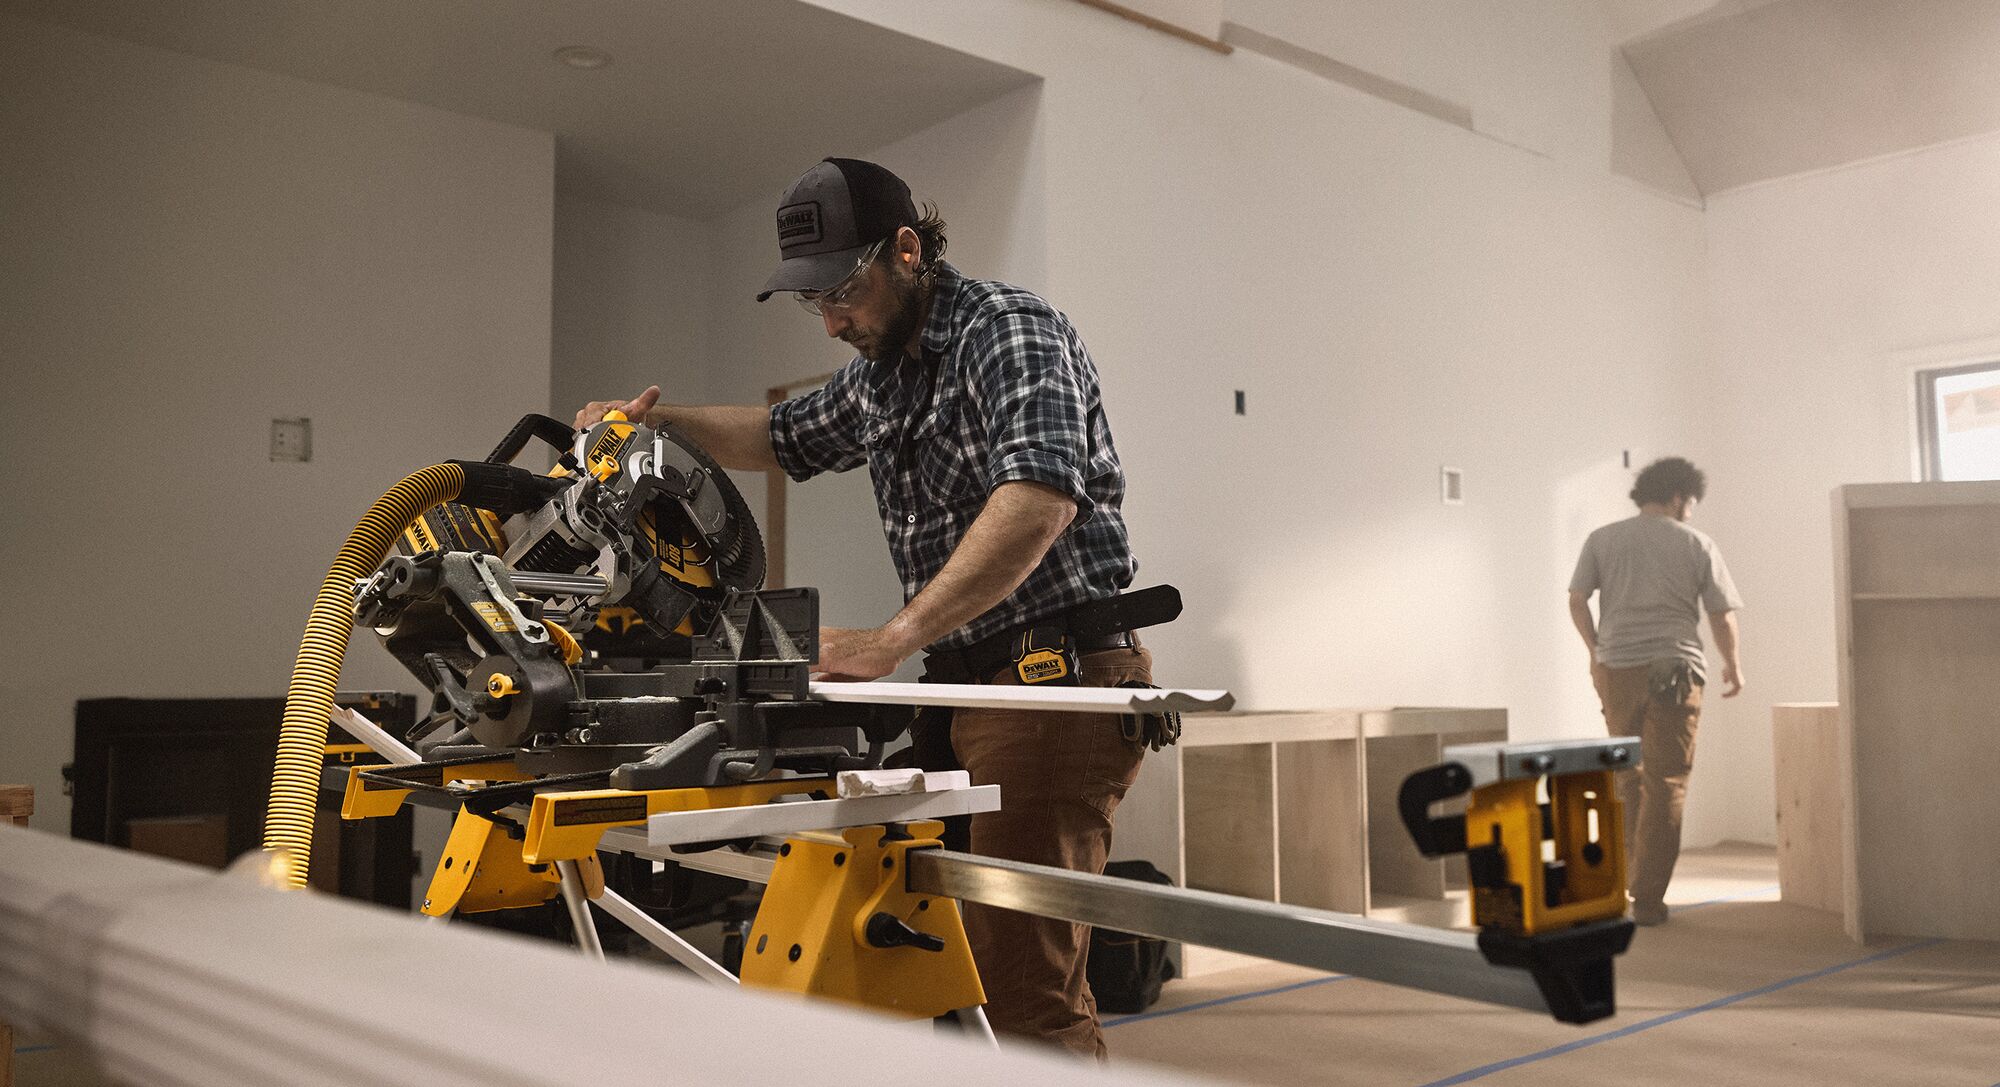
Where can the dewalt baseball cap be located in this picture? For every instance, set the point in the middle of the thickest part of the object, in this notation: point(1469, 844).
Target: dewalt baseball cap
point(829, 217)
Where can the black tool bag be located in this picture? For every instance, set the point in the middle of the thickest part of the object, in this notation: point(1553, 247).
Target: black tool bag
point(1126, 971)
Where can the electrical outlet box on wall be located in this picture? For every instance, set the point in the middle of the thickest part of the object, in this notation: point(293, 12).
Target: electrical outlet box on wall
point(1451, 486)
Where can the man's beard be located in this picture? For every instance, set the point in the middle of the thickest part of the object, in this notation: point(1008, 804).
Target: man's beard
point(887, 344)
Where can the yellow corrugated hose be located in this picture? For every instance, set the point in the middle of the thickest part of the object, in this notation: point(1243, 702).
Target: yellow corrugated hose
point(288, 820)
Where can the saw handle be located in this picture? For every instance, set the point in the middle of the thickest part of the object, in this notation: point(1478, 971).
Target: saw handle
point(553, 431)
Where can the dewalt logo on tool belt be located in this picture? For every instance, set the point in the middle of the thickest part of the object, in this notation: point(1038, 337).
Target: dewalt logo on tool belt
point(1042, 666)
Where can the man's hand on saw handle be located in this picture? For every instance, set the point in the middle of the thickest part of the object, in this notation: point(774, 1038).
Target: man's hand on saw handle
point(634, 409)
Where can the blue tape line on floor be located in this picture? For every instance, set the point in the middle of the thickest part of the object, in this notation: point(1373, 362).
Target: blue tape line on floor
point(1661, 1020)
point(34, 1049)
point(1294, 987)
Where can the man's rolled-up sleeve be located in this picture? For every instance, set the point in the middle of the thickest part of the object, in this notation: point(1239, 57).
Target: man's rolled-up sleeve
point(1037, 406)
point(822, 431)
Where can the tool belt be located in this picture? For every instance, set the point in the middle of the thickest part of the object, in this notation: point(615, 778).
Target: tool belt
point(1049, 651)
point(1046, 650)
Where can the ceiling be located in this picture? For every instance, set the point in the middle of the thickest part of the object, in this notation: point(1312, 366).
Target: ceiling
point(707, 104)
point(1751, 90)
point(710, 104)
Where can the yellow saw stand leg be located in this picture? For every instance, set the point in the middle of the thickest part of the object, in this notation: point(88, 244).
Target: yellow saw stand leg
point(839, 922)
point(482, 869)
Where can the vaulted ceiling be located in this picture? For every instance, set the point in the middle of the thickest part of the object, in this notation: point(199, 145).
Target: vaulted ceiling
point(1750, 90)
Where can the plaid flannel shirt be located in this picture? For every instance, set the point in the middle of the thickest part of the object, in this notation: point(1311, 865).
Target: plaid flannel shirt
point(1004, 391)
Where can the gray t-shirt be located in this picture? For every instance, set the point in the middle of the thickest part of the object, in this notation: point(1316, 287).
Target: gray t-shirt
point(1656, 575)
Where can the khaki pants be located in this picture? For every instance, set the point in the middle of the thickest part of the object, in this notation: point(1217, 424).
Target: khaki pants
point(1656, 793)
point(1061, 775)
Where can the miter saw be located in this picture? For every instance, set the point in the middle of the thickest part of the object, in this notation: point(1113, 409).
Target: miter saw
point(498, 612)
point(689, 729)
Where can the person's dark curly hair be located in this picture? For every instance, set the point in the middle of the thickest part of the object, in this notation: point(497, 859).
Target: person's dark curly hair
point(930, 232)
point(1667, 479)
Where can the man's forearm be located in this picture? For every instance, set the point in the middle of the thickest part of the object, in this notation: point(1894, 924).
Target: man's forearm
point(1723, 625)
point(1579, 616)
point(736, 435)
point(997, 553)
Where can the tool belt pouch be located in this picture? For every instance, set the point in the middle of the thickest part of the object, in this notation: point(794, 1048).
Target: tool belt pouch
point(1669, 682)
point(1155, 730)
point(1045, 657)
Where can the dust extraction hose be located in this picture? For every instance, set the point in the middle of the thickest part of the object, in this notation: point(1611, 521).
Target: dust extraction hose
point(288, 819)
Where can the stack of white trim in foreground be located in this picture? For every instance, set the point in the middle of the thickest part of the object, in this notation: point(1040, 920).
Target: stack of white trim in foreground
point(171, 974)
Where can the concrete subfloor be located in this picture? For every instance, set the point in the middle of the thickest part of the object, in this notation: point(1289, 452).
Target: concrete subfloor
point(1736, 988)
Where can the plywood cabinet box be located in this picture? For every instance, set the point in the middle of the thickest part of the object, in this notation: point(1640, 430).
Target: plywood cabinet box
point(1294, 807)
point(1918, 583)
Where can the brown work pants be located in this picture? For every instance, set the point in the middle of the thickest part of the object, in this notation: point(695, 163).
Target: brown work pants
point(1655, 793)
point(1061, 775)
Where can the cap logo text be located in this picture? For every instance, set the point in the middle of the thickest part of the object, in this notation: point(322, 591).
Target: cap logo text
point(798, 224)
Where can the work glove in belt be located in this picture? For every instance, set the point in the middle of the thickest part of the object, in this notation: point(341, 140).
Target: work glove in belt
point(1155, 730)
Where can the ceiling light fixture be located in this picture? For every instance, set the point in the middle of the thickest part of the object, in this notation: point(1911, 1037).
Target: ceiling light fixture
point(583, 56)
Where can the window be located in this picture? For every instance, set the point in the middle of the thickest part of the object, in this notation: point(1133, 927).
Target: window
point(1958, 416)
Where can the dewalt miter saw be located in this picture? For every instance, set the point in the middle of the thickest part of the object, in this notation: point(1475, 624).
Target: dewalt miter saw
point(556, 736)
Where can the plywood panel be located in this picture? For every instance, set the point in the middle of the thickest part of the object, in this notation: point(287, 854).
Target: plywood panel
point(1322, 826)
point(1805, 747)
point(1394, 865)
point(1924, 549)
point(1926, 760)
point(1231, 820)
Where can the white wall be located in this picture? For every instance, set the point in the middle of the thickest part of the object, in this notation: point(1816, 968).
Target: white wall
point(187, 250)
point(633, 297)
point(1828, 290)
point(1392, 293)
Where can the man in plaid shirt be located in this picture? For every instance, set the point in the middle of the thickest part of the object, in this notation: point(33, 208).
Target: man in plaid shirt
point(977, 411)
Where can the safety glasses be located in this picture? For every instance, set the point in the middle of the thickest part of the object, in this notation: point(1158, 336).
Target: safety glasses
point(841, 295)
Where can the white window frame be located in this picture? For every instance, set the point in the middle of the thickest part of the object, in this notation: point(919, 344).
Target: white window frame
point(1930, 461)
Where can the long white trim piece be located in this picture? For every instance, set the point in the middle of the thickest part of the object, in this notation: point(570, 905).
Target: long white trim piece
point(1052, 699)
point(759, 820)
point(165, 973)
